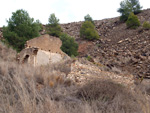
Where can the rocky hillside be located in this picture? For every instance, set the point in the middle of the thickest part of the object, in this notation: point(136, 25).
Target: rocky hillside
point(118, 46)
point(77, 84)
point(66, 87)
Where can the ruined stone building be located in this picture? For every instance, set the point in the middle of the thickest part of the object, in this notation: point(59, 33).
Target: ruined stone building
point(42, 50)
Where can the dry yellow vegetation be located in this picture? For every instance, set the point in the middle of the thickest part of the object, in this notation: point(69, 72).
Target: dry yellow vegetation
point(46, 89)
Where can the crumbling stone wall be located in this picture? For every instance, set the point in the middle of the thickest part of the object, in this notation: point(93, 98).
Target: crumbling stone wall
point(45, 42)
point(27, 55)
point(44, 58)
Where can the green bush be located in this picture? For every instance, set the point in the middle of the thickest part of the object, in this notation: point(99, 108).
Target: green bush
point(87, 31)
point(54, 30)
point(53, 27)
point(89, 58)
point(146, 25)
point(20, 29)
point(69, 46)
point(133, 21)
point(128, 6)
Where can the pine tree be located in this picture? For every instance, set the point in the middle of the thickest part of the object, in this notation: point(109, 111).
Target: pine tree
point(53, 27)
point(20, 29)
point(133, 21)
point(89, 18)
point(87, 31)
point(69, 46)
point(127, 7)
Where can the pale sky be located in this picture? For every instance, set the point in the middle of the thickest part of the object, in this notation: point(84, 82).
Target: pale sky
point(66, 10)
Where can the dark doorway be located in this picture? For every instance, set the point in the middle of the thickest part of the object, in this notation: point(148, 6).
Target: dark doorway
point(25, 60)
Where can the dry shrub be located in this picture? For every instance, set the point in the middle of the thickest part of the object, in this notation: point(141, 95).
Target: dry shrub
point(99, 90)
point(19, 92)
point(146, 25)
point(64, 66)
point(7, 54)
point(109, 97)
point(53, 75)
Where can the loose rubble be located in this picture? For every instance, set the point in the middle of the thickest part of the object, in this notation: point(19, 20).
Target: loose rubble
point(82, 73)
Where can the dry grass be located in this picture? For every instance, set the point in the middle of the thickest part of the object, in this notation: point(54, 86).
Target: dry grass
point(109, 97)
point(27, 89)
point(7, 54)
point(24, 89)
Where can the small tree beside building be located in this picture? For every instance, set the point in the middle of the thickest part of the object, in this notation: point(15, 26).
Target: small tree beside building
point(69, 46)
point(53, 27)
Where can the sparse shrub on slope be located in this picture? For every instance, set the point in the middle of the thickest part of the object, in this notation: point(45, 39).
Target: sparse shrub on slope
point(20, 29)
point(99, 90)
point(109, 97)
point(69, 46)
point(146, 25)
point(87, 31)
point(133, 21)
point(127, 7)
point(53, 27)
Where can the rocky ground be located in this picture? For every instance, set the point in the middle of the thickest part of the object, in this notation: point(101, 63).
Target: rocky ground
point(83, 71)
point(118, 46)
